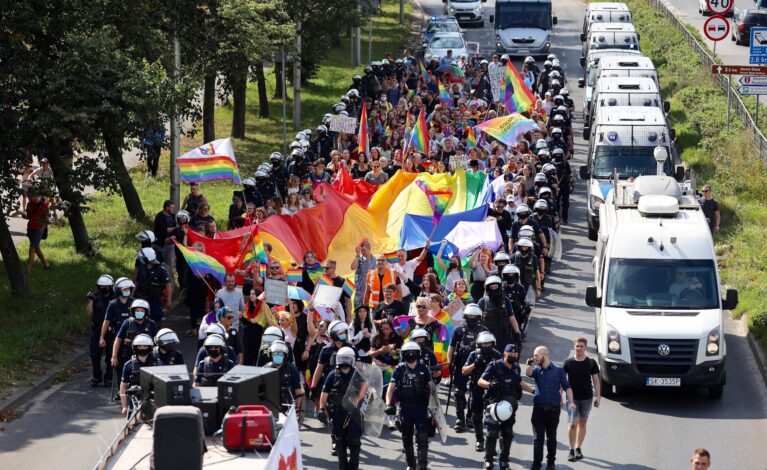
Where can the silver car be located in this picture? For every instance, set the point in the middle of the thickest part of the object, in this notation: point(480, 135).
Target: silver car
point(441, 42)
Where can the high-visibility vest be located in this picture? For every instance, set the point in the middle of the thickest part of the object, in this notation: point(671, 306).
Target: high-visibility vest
point(375, 285)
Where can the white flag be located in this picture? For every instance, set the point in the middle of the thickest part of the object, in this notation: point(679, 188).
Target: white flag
point(210, 162)
point(286, 452)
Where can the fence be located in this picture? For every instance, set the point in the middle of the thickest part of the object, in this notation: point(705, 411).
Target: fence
point(736, 102)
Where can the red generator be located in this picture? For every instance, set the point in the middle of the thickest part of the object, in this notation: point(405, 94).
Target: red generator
point(249, 427)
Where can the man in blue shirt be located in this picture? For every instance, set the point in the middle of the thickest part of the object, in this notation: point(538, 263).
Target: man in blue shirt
point(550, 380)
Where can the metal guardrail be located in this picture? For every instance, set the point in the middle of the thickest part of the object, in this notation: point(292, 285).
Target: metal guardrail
point(757, 137)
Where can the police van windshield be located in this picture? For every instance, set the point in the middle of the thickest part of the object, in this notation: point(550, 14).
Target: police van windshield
point(443, 27)
point(662, 284)
point(523, 15)
point(629, 161)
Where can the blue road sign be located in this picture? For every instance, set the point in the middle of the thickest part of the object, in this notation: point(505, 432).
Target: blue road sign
point(752, 90)
point(758, 46)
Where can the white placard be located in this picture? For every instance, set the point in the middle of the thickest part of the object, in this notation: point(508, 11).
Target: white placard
point(347, 125)
point(472, 47)
point(276, 292)
point(326, 296)
point(459, 161)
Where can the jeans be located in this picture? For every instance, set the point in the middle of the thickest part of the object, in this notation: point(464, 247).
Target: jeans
point(545, 421)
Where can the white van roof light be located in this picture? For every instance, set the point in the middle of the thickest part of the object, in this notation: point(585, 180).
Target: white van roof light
point(658, 205)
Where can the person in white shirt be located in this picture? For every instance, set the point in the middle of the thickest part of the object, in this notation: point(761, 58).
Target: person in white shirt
point(406, 268)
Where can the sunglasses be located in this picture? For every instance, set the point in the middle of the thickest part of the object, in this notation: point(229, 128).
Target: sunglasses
point(274, 268)
point(706, 190)
point(421, 306)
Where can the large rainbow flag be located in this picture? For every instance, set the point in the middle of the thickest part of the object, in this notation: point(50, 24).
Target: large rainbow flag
point(419, 137)
point(444, 96)
point(201, 264)
point(516, 95)
point(210, 162)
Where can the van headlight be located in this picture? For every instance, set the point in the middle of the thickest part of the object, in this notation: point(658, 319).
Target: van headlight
point(450, 10)
point(613, 340)
point(478, 10)
point(596, 201)
point(712, 342)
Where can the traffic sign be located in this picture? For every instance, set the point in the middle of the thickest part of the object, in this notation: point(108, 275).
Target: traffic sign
point(719, 7)
point(752, 90)
point(758, 46)
point(716, 28)
point(738, 69)
point(753, 80)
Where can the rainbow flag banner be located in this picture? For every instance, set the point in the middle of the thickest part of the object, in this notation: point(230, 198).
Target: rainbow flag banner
point(419, 138)
point(391, 257)
point(307, 185)
point(315, 273)
point(438, 199)
point(447, 330)
point(201, 264)
point(362, 137)
point(211, 162)
point(262, 271)
point(471, 138)
point(424, 72)
point(295, 275)
point(253, 251)
point(444, 96)
point(508, 128)
point(325, 280)
point(516, 95)
point(349, 287)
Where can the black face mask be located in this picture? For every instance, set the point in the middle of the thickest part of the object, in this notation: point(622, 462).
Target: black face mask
point(472, 321)
point(486, 349)
point(510, 359)
point(345, 369)
point(142, 353)
point(105, 291)
point(214, 353)
point(168, 348)
point(410, 358)
point(453, 265)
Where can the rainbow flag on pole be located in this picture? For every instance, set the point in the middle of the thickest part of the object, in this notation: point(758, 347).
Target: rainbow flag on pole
point(471, 138)
point(295, 275)
point(391, 257)
point(424, 72)
point(516, 95)
point(362, 137)
point(419, 138)
point(444, 96)
point(325, 280)
point(201, 264)
point(349, 287)
point(253, 251)
point(438, 199)
point(211, 162)
point(407, 133)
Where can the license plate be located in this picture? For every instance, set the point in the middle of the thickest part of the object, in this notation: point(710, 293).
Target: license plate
point(523, 51)
point(664, 381)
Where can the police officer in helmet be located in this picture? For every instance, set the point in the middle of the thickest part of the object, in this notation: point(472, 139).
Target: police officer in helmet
point(515, 293)
point(290, 379)
point(346, 429)
point(96, 310)
point(166, 348)
point(131, 375)
point(139, 323)
point(272, 334)
point(503, 381)
point(213, 367)
point(153, 283)
point(279, 173)
point(498, 313)
point(118, 311)
point(463, 342)
point(475, 366)
point(202, 353)
point(421, 337)
point(411, 386)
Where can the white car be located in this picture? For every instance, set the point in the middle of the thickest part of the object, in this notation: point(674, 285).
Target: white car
point(442, 42)
point(705, 11)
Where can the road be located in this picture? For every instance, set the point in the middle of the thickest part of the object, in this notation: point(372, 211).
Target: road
point(637, 430)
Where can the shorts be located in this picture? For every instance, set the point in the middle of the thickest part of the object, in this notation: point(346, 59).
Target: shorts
point(35, 237)
point(582, 409)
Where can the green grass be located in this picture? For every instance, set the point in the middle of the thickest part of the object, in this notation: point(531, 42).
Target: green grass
point(52, 320)
point(725, 159)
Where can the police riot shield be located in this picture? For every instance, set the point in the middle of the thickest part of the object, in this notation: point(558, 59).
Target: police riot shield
point(556, 245)
point(368, 407)
point(435, 409)
point(530, 295)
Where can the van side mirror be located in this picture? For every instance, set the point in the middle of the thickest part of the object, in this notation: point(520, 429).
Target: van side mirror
point(583, 172)
point(554, 20)
point(666, 106)
point(492, 19)
point(679, 172)
point(581, 82)
point(586, 132)
point(672, 133)
point(730, 300)
point(591, 297)
point(583, 63)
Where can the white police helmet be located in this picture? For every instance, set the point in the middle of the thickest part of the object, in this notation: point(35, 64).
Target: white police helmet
point(500, 411)
point(105, 280)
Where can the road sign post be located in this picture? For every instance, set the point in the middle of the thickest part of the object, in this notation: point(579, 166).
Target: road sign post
point(716, 28)
point(719, 7)
point(758, 47)
point(738, 69)
point(729, 97)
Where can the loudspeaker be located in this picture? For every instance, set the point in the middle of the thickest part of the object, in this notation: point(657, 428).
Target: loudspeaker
point(247, 385)
point(206, 400)
point(178, 441)
point(166, 385)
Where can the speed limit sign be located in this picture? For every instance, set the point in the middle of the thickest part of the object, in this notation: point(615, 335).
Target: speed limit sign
point(719, 7)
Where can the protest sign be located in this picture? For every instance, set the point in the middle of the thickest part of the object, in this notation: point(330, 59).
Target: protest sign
point(343, 124)
point(276, 292)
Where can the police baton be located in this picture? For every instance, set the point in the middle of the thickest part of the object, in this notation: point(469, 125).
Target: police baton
point(450, 389)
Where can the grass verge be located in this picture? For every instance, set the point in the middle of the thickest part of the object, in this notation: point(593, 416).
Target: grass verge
point(723, 158)
point(52, 320)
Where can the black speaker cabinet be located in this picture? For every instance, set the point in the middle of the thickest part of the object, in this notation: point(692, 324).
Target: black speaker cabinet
point(206, 399)
point(247, 385)
point(166, 385)
point(178, 439)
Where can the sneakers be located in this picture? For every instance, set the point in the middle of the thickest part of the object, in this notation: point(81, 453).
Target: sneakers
point(459, 425)
point(333, 450)
point(571, 456)
point(489, 465)
point(578, 453)
point(480, 446)
point(390, 423)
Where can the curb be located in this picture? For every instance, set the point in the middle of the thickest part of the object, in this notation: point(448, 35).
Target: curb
point(759, 355)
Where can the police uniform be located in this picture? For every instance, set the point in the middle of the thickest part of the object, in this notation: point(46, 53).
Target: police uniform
point(202, 353)
point(429, 360)
point(528, 268)
point(150, 285)
point(209, 371)
point(117, 312)
point(129, 329)
point(264, 358)
point(346, 430)
point(100, 305)
point(507, 385)
point(168, 359)
point(131, 373)
point(476, 393)
point(516, 294)
point(412, 393)
point(496, 316)
point(290, 381)
point(463, 342)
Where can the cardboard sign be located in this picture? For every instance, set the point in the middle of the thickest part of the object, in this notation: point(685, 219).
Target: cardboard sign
point(276, 292)
point(326, 296)
point(459, 161)
point(472, 47)
point(455, 309)
point(347, 125)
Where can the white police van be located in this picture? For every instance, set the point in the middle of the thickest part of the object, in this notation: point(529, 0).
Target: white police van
point(625, 91)
point(590, 65)
point(656, 292)
point(611, 36)
point(605, 12)
point(523, 27)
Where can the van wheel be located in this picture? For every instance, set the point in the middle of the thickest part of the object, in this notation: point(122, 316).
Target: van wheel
point(593, 234)
point(716, 392)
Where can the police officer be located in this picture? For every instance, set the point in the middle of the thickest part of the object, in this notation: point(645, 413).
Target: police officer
point(202, 353)
point(139, 323)
point(475, 366)
point(272, 334)
point(529, 265)
point(118, 311)
point(213, 367)
point(498, 313)
point(565, 181)
point(346, 428)
point(515, 293)
point(96, 309)
point(249, 191)
point(264, 185)
point(131, 374)
point(323, 144)
point(503, 381)
point(279, 173)
point(463, 342)
point(421, 337)
point(290, 379)
point(165, 351)
point(411, 386)
point(298, 166)
point(153, 283)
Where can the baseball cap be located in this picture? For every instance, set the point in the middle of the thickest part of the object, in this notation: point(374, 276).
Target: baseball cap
point(510, 348)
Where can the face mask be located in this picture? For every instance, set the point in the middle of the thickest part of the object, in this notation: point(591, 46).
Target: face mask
point(168, 348)
point(411, 359)
point(104, 290)
point(341, 337)
point(510, 360)
point(126, 292)
point(486, 349)
point(346, 369)
point(214, 353)
point(472, 321)
point(453, 265)
point(278, 359)
point(142, 353)
point(139, 315)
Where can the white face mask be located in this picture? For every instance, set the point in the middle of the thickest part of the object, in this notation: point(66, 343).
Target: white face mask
point(126, 292)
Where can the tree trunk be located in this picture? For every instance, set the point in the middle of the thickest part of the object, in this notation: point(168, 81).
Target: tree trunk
point(13, 266)
point(209, 109)
point(263, 100)
point(129, 193)
point(62, 176)
point(239, 90)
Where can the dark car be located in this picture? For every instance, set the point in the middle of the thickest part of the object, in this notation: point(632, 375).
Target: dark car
point(744, 21)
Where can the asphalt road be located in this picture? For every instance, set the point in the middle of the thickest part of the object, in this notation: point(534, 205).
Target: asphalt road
point(67, 427)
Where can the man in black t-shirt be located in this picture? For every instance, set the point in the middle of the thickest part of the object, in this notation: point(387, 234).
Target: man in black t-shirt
point(582, 372)
point(390, 308)
point(710, 209)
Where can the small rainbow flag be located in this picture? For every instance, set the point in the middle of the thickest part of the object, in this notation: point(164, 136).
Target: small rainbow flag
point(362, 137)
point(419, 138)
point(307, 185)
point(516, 95)
point(447, 330)
point(391, 257)
point(349, 287)
point(325, 280)
point(295, 275)
point(262, 271)
point(213, 161)
point(253, 251)
point(407, 133)
point(424, 72)
point(400, 322)
point(438, 199)
point(444, 96)
point(314, 272)
point(471, 138)
point(201, 264)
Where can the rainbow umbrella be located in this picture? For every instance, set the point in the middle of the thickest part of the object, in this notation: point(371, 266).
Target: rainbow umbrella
point(451, 68)
point(298, 293)
point(508, 128)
